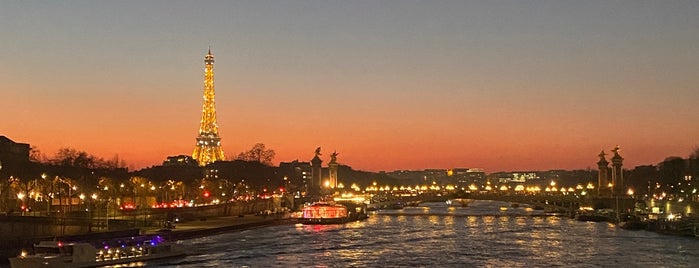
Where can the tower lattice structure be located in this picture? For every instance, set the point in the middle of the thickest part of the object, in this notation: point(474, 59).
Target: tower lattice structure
point(208, 148)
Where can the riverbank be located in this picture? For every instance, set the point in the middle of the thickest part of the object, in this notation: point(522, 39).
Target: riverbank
point(183, 230)
point(211, 226)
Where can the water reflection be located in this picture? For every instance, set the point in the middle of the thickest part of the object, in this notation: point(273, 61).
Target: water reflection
point(403, 240)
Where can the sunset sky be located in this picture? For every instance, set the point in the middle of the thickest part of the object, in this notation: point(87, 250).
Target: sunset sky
point(500, 85)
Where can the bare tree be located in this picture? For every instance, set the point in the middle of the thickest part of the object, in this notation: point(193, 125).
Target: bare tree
point(75, 158)
point(36, 156)
point(258, 153)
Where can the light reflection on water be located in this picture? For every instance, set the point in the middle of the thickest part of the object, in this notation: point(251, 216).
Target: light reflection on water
point(398, 240)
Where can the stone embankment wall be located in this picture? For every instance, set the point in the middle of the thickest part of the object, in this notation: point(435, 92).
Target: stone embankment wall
point(23, 227)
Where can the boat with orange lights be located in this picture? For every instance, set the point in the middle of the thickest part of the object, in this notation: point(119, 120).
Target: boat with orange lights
point(332, 213)
point(81, 254)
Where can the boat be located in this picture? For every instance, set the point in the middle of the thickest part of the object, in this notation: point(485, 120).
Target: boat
point(632, 222)
point(457, 202)
point(591, 216)
point(81, 254)
point(332, 213)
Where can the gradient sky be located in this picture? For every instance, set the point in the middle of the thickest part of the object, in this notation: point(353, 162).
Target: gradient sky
point(501, 85)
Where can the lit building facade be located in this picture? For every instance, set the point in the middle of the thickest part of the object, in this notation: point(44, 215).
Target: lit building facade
point(179, 160)
point(298, 173)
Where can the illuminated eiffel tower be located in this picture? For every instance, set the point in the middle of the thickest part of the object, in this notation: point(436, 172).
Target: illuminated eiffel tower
point(208, 148)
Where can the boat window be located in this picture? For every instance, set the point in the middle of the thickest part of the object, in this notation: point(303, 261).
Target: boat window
point(47, 250)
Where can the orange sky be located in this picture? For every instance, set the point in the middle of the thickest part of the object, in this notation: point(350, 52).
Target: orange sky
point(389, 85)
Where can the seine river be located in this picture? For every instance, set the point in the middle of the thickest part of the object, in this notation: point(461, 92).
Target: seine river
point(484, 234)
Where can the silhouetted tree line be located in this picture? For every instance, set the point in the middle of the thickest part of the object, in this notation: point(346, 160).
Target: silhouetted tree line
point(259, 153)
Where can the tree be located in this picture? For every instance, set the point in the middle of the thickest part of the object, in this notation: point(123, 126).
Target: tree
point(672, 171)
point(70, 157)
point(693, 168)
point(108, 188)
point(36, 156)
point(140, 187)
point(258, 153)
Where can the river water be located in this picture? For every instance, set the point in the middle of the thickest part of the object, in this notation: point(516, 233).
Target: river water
point(484, 234)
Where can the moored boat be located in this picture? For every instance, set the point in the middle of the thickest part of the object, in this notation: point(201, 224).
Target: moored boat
point(332, 213)
point(81, 254)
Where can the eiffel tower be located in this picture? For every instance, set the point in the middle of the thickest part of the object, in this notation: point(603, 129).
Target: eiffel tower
point(208, 148)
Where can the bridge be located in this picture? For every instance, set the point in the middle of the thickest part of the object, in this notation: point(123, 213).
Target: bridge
point(566, 204)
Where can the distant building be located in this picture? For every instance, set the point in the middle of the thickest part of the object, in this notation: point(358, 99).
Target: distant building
point(408, 176)
point(463, 177)
point(14, 158)
point(180, 160)
point(514, 177)
point(11, 151)
point(435, 175)
point(298, 173)
point(460, 177)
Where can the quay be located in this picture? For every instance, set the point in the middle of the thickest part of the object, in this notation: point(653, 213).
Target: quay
point(183, 230)
point(199, 228)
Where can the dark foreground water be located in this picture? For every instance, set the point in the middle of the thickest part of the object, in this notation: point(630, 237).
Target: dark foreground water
point(487, 233)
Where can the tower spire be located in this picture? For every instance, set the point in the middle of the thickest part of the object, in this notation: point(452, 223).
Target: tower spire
point(208, 147)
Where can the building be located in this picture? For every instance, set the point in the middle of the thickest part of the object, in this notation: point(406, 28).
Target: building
point(297, 173)
point(464, 177)
point(11, 151)
point(180, 160)
point(438, 176)
point(14, 157)
point(517, 177)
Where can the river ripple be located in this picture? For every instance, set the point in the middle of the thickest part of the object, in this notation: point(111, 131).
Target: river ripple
point(481, 235)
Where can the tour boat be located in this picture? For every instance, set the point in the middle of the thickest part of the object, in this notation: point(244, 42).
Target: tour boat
point(332, 213)
point(79, 254)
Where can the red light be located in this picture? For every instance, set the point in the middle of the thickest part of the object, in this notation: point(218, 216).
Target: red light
point(60, 244)
point(206, 194)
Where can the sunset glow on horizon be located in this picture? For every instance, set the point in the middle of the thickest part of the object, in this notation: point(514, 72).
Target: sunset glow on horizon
point(389, 85)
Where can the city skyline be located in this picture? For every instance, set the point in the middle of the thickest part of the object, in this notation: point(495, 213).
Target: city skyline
point(388, 84)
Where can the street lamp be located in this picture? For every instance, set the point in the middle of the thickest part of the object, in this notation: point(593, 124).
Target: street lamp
point(82, 199)
point(21, 196)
